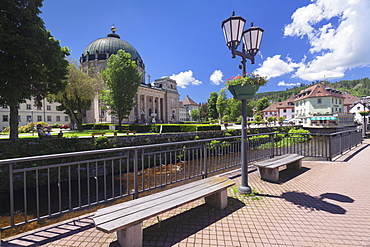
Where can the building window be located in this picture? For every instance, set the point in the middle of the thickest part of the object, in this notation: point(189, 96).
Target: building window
point(66, 119)
point(5, 107)
point(58, 119)
point(284, 110)
point(39, 118)
point(48, 118)
point(39, 108)
point(28, 107)
point(319, 101)
point(48, 107)
point(19, 118)
point(5, 118)
point(29, 119)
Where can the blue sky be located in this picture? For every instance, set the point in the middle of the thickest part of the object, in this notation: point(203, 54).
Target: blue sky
point(304, 40)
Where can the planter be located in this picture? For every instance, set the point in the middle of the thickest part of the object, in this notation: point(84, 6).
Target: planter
point(364, 114)
point(243, 92)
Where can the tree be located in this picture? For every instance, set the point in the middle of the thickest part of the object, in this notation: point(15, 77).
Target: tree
point(212, 109)
point(78, 95)
point(195, 115)
point(234, 108)
point(281, 120)
point(32, 63)
point(204, 111)
point(221, 104)
point(122, 80)
point(262, 104)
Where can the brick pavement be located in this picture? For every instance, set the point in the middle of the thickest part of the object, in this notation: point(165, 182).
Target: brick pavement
point(325, 204)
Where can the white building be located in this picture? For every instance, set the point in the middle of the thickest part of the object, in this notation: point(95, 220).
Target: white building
point(185, 108)
point(28, 113)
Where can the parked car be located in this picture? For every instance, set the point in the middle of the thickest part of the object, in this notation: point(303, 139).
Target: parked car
point(65, 126)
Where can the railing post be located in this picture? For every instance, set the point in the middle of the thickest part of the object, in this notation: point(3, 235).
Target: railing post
point(136, 175)
point(11, 194)
point(272, 150)
point(205, 165)
point(330, 148)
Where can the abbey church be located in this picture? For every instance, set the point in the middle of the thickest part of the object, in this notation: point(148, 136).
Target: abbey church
point(156, 102)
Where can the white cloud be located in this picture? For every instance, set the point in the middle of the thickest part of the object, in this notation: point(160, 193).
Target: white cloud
point(275, 66)
point(335, 48)
point(216, 77)
point(284, 84)
point(184, 79)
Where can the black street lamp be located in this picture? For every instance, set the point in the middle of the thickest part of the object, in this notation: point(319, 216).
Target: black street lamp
point(234, 34)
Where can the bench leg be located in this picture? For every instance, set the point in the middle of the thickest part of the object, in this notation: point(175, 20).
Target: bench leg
point(295, 165)
point(218, 200)
point(271, 174)
point(131, 236)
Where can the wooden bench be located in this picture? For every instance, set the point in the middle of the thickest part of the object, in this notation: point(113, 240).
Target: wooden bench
point(269, 169)
point(98, 134)
point(126, 218)
point(131, 132)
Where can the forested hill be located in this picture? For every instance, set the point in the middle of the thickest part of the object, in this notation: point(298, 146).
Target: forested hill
point(359, 88)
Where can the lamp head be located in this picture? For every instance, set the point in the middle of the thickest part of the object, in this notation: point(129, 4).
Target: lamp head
point(233, 29)
point(252, 39)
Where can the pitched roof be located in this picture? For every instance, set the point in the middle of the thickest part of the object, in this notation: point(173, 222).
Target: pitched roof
point(318, 90)
point(272, 107)
point(350, 99)
point(287, 103)
point(188, 101)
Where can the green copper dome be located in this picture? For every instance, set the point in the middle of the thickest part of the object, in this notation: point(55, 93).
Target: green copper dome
point(111, 44)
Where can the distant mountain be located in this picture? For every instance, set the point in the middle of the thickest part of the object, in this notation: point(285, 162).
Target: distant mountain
point(358, 88)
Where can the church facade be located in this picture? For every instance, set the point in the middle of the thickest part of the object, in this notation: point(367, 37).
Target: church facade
point(156, 102)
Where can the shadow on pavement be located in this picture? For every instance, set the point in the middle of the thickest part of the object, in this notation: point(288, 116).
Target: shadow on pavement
point(179, 227)
point(313, 203)
point(288, 174)
point(50, 234)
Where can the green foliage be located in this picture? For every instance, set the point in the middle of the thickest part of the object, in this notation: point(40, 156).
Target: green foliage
point(195, 114)
point(122, 81)
point(101, 142)
point(262, 104)
point(212, 109)
point(258, 118)
point(33, 64)
point(226, 118)
point(168, 128)
point(221, 103)
point(77, 96)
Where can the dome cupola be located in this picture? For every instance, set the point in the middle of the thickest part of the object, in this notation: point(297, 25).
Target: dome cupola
point(101, 49)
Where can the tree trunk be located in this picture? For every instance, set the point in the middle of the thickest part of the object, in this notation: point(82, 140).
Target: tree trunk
point(13, 123)
point(120, 118)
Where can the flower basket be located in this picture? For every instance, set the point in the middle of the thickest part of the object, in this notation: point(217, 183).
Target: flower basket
point(364, 113)
point(243, 92)
point(245, 87)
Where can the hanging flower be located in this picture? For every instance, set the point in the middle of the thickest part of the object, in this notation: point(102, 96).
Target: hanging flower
point(249, 79)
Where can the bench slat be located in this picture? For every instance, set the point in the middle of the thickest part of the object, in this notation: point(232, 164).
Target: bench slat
point(135, 205)
point(283, 162)
point(156, 196)
point(279, 159)
point(136, 215)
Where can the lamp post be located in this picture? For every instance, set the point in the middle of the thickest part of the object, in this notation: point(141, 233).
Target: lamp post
point(33, 127)
point(234, 34)
point(364, 113)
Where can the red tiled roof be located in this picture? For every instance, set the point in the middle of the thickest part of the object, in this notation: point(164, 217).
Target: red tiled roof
point(188, 101)
point(318, 90)
point(350, 99)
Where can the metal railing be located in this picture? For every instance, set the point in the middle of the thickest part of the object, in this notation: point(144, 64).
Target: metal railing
point(37, 187)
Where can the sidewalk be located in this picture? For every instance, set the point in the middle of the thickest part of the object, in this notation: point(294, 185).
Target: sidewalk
point(325, 204)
